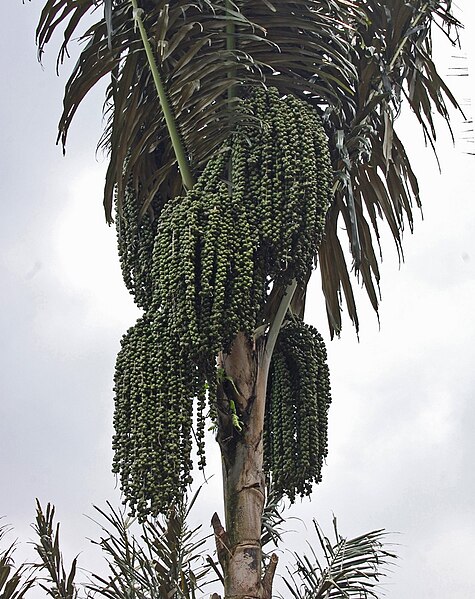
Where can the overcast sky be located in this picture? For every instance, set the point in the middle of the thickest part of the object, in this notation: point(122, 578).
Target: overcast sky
point(402, 446)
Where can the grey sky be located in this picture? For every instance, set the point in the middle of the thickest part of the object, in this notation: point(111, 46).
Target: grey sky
point(402, 446)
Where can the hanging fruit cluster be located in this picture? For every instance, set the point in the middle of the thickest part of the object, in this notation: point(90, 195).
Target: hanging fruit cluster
point(153, 416)
point(203, 270)
point(135, 238)
point(298, 398)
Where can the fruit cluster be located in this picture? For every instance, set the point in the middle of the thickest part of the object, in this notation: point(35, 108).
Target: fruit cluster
point(202, 270)
point(298, 398)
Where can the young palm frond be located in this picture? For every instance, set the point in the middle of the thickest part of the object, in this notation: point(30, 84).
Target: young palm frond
point(350, 567)
point(166, 561)
point(15, 581)
point(163, 559)
point(56, 582)
point(272, 518)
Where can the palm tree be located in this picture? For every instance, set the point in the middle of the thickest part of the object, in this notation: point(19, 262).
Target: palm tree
point(224, 120)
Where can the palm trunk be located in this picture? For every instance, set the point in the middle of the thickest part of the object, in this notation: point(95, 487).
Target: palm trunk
point(239, 547)
point(242, 394)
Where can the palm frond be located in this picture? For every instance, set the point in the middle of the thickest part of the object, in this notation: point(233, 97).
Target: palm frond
point(160, 558)
point(166, 560)
point(189, 40)
point(15, 581)
point(56, 582)
point(272, 519)
point(347, 568)
point(374, 177)
point(355, 61)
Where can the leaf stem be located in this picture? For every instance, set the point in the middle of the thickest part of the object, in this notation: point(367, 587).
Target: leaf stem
point(230, 45)
point(402, 43)
point(182, 158)
point(279, 318)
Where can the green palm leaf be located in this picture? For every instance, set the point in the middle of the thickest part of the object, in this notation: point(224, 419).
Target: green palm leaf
point(347, 568)
point(161, 558)
point(56, 582)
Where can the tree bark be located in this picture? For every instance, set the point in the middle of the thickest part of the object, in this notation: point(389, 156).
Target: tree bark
point(239, 546)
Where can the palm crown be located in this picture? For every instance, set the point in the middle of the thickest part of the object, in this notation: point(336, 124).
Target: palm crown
point(354, 61)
